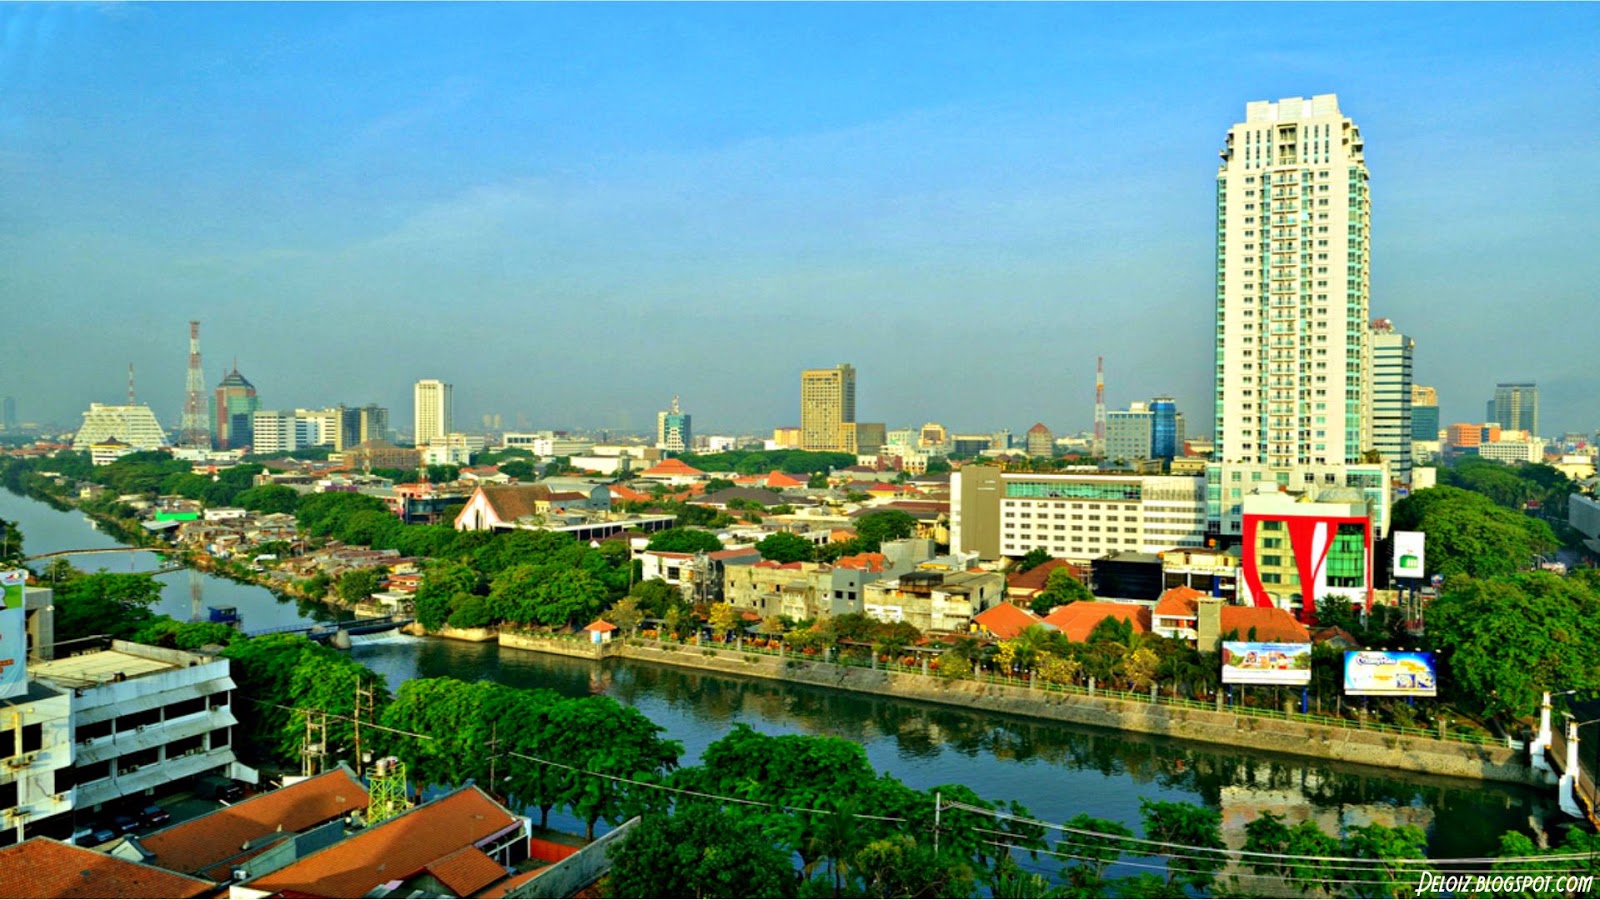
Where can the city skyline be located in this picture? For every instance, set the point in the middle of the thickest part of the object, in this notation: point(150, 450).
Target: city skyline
point(726, 196)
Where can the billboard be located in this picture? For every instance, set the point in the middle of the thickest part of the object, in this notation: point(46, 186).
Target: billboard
point(1408, 556)
point(1250, 662)
point(13, 634)
point(1389, 673)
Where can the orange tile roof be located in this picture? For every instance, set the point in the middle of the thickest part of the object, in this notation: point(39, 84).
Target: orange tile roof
point(45, 867)
point(1005, 621)
point(199, 844)
point(394, 850)
point(1077, 620)
point(599, 625)
point(866, 562)
point(467, 871)
point(780, 480)
point(1271, 624)
point(628, 494)
point(1180, 602)
point(672, 466)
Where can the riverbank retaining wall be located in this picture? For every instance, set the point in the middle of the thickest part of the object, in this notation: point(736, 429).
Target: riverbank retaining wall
point(580, 649)
point(1372, 748)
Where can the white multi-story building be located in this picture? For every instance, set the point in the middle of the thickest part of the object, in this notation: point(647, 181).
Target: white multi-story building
point(1292, 287)
point(1079, 515)
point(134, 425)
point(324, 425)
point(1514, 450)
point(283, 432)
point(433, 411)
point(143, 717)
point(1390, 410)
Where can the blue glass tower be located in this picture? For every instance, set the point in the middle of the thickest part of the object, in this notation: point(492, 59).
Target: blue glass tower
point(1163, 428)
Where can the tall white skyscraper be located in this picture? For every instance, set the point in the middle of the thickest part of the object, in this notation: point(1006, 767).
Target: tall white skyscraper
point(1391, 398)
point(433, 409)
point(1292, 287)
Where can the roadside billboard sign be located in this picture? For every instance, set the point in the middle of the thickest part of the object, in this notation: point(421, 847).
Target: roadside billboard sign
point(1408, 554)
point(13, 634)
point(1251, 662)
point(1390, 673)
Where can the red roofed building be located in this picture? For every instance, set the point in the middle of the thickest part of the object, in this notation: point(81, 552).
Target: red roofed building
point(426, 841)
point(866, 562)
point(45, 867)
point(1023, 586)
point(214, 844)
point(1077, 620)
point(1268, 624)
point(1004, 621)
point(625, 494)
point(673, 471)
point(1177, 613)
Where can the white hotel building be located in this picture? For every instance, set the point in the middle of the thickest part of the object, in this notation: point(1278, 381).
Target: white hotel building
point(1075, 516)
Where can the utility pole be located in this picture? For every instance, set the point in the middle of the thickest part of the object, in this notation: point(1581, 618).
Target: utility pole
point(494, 751)
point(361, 693)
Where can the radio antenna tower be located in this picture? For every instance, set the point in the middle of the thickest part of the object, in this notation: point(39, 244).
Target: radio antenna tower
point(194, 432)
point(130, 384)
point(1100, 406)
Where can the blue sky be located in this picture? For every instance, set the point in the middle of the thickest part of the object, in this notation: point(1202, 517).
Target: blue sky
point(573, 212)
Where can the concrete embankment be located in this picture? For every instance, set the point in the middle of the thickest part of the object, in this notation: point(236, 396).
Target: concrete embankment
point(1409, 753)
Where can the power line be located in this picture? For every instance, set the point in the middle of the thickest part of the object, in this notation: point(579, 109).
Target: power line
point(1056, 826)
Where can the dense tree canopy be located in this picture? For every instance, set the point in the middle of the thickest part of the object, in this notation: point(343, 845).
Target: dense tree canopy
point(1469, 535)
point(699, 850)
point(784, 547)
point(1508, 638)
point(684, 540)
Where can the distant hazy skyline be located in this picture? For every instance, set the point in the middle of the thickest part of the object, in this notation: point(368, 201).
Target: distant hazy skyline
point(574, 212)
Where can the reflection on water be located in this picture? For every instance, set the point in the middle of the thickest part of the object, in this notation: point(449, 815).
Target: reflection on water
point(1056, 770)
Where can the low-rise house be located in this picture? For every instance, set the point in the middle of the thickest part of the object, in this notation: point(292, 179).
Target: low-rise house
point(933, 600)
point(674, 472)
point(1022, 587)
point(1004, 621)
point(501, 507)
point(1177, 613)
point(1078, 620)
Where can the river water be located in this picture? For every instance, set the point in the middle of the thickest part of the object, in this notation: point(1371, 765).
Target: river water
point(1057, 770)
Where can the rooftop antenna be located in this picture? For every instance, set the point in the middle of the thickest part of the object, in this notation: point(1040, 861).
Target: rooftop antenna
point(130, 384)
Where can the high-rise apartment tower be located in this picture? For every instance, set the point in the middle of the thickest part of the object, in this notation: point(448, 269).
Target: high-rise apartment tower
point(433, 411)
point(827, 404)
point(1292, 287)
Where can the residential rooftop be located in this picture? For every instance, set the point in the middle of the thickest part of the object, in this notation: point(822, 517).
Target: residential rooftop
point(122, 662)
point(45, 867)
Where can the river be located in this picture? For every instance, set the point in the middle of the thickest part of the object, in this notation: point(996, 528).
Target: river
point(1057, 770)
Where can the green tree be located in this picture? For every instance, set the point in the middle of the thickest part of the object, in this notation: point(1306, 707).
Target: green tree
point(1385, 845)
point(442, 581)
point(723, 618)
point(1060, 588)
point(104, 603)
point(470, 611)
point(684, 540)
point(783, 547)
point(625, 614)
point(1181, 826)
point(699, 850)
point(1033, 559)
point(1469, 535)
point(1094, 845)
point(874, 528)
point(656, 597)
point(1507, 639)
point(357, 585)
point(269, 498)
point(166, 632)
